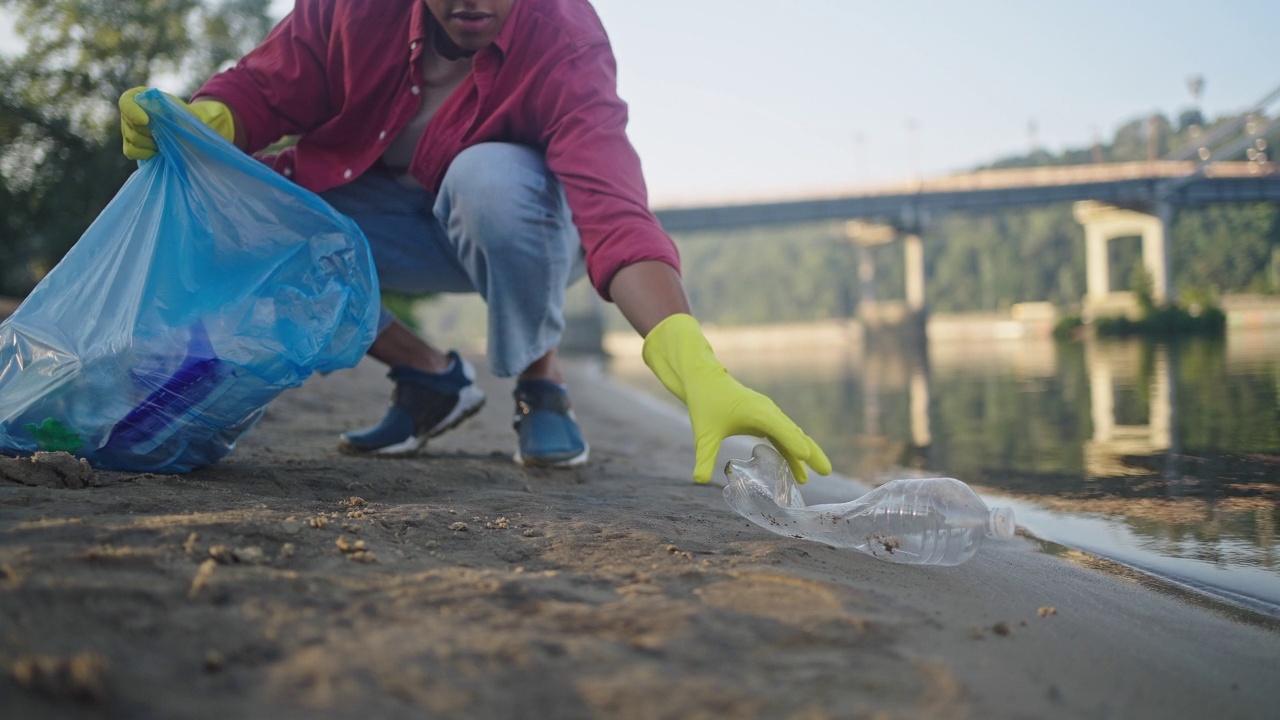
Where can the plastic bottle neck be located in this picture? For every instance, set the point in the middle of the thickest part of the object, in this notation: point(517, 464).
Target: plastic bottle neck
point(1000, 523)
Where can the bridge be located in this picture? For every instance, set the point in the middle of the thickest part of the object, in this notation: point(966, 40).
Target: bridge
point(1112, 200)
point(1130, 184)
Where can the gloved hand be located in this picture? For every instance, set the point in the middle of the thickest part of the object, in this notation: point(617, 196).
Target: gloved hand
point(134, 122)
point(719, 406)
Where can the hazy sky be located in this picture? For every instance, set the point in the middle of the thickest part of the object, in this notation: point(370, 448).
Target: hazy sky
point(734, 97)
point(746, 98)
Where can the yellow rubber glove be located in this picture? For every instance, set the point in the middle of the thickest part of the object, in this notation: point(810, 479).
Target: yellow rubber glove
point(719, 406)
point(134, 122)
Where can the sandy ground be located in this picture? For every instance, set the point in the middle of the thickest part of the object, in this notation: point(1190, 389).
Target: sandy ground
point(291, 581)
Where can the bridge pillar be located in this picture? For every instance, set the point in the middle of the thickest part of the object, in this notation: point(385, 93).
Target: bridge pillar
point(913, 249)
point(1155, 246)
point(872, 311)
point(1104, 223)
point(866, 277)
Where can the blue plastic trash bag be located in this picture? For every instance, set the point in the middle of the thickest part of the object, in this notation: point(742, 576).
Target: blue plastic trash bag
point(206, 288)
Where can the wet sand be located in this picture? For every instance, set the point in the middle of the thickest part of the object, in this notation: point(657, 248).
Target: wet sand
point(292, 581)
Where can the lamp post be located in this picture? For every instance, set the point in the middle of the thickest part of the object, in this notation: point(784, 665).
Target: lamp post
point(913, 147)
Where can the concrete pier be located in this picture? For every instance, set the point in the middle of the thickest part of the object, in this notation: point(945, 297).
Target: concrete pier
point(1104, 223)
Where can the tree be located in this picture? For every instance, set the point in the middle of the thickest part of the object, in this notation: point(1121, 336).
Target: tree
point(60, 160)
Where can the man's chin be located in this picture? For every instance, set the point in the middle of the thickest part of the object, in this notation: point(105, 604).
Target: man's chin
point(455, 48)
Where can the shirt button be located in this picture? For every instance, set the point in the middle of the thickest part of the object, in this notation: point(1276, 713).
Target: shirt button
point(346, 174)
point(382, 135)
point(288, 172)
point(414, 90)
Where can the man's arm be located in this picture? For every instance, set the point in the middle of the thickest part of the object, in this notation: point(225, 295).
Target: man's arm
point(648, 293)
point(281, 86)
point(583, 126)
point(634, 263)
point(652, 298)
point(244, 104)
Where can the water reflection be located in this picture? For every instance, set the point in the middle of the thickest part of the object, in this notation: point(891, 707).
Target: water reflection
point(1164, 456)
point(1112, 441)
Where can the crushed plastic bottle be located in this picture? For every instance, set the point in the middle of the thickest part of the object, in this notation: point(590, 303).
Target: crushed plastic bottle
point(919, 521)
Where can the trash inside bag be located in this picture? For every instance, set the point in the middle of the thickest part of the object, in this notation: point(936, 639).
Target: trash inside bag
point(916, 521)
point(208, 286)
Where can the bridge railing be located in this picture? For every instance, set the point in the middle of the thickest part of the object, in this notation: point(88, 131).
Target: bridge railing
point(1021, 178)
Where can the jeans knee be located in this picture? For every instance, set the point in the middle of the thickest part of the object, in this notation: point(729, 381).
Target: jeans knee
point(497, 193)
point(495, 173)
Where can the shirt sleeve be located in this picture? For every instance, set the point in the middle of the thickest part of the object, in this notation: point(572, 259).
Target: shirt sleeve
point(588, 150)
point(281, 87)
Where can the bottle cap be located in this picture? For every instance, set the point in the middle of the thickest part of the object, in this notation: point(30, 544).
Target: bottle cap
point(1000, 523)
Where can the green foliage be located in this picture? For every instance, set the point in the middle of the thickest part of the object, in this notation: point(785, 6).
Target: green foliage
point(81, 54)
point(796, 273)
point(60, 159)
point(987, 262)
point(1164, 321)
point(1068, 327)
point(401, 306)
point(1143, 287)
point(1226, 248)
point(53, 183)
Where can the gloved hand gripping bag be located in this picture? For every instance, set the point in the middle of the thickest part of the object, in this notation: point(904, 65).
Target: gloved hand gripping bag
point(208, 286)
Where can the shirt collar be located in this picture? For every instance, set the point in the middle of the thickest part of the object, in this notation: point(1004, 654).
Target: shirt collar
point(508, 31)
point(419, 26)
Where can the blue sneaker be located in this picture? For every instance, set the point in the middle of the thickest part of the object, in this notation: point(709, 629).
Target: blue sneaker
point(423, 405)
point(548, 430)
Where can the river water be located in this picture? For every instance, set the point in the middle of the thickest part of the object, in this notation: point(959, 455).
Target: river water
point(1163, 457)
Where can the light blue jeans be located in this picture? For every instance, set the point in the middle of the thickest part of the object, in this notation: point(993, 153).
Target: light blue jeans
point(500, 226)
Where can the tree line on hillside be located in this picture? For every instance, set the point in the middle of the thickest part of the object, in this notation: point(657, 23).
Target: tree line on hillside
point(60, 163)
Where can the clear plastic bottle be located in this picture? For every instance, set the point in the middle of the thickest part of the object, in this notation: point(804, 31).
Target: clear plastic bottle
point(920, 521)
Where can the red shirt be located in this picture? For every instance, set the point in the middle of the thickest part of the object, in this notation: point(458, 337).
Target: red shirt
point(345, 76)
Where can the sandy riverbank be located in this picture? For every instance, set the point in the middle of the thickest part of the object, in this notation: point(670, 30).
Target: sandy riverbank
point(291, 581)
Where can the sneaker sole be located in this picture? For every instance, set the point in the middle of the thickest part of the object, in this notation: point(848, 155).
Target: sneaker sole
point(576, 460)
point(470, 401)
point(407, 448)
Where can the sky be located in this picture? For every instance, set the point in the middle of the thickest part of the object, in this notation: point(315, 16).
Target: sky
point(733, 100)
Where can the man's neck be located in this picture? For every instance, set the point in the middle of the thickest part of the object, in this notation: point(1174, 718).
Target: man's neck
point(446, 47)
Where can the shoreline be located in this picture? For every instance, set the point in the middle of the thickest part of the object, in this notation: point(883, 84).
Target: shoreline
point(837, 488)
point(616, 590)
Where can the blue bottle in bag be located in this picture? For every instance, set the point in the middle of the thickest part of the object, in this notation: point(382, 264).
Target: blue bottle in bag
point(148, 435)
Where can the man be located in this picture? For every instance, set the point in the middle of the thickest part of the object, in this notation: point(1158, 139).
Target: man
point(481, 146)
